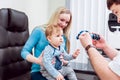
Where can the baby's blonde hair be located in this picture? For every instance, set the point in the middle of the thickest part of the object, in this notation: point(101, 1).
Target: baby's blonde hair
point(52, 28)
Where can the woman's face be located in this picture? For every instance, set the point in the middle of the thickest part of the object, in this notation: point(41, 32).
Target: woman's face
point(63, 20)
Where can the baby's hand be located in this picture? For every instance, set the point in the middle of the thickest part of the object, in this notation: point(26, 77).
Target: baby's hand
point(76, 53)
point(65, 62)
point(59, 77)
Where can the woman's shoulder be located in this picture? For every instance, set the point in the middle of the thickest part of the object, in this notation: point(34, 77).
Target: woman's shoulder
point(41, 27)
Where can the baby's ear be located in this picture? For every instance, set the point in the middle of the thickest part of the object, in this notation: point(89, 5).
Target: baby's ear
point(48, 38)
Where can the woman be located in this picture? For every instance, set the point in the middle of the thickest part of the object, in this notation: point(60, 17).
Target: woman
point(37, 40)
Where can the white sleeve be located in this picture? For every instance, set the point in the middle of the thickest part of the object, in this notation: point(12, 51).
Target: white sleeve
point(114, 65)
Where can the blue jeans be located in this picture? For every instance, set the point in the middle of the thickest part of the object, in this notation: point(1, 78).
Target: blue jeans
point(38, 76)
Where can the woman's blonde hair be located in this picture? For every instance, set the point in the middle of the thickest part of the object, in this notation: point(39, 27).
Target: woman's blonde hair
point(66, 30)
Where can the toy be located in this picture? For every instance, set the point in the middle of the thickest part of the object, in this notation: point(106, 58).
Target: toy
point(94, 36)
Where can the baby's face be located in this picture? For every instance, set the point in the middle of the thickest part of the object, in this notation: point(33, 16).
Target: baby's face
point(56, 39)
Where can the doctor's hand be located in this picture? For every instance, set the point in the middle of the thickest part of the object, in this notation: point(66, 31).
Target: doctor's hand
point(85, 39)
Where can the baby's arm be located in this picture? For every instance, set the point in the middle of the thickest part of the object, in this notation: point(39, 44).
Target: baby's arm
point(47, 62)
point(66, 57)
point(76, 53)
point(71, 56)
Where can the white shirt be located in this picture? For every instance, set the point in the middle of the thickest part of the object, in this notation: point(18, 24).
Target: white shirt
point(114, 65)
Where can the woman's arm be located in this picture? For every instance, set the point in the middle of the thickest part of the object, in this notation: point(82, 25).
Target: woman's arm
point(31, 42)
point(33, 59)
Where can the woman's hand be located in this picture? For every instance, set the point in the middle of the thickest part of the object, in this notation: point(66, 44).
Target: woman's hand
point(40, 59)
